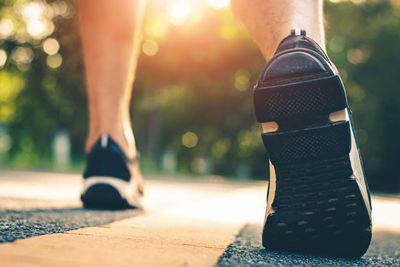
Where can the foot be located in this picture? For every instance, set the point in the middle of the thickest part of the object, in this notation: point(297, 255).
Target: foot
point(318, 199)
point(111, 180)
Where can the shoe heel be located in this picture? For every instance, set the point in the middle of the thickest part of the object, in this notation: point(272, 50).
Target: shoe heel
point(103, 196)
point(300, 99)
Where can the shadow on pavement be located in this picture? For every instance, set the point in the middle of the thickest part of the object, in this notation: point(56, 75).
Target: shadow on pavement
point(19, 224)
point(247, 250)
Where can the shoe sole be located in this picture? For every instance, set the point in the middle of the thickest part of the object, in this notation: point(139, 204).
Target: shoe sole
point(109, 193)
point(318, 206)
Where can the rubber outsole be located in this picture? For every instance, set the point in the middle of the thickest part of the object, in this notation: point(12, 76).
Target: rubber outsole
point(318, 205)
point(104, 197)
point(302, 99)
point(318, 209)
point(308, 144)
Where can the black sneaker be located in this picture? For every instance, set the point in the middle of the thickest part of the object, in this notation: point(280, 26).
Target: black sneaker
point(318, 199)
point(111, 180)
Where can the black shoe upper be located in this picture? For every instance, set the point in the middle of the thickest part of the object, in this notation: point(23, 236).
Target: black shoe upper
point(300, 41)
point(297, 57)
point(107, 159)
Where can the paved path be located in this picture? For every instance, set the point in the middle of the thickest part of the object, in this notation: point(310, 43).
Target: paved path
point(186, 223)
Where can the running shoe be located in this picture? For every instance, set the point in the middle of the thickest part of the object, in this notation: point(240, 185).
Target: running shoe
point(111, 180)
point(318, 199)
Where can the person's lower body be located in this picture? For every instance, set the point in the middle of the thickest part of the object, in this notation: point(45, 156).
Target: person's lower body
point(110, 33)
point(317, 197)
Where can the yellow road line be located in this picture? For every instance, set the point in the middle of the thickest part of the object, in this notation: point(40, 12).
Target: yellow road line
point(193, 234)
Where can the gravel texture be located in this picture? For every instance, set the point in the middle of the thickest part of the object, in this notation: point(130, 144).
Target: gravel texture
point(19, 224)
point(247, 250)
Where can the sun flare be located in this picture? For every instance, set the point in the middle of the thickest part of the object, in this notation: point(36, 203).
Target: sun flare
point(179, 13)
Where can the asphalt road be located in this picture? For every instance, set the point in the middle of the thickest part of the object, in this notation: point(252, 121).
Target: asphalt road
point(33, 204)
point(17, 224)
point(248, 251)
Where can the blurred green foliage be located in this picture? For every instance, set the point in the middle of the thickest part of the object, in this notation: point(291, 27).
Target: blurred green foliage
point(193, 89)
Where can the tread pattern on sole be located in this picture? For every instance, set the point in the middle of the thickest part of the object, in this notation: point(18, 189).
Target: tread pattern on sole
point(318, 208)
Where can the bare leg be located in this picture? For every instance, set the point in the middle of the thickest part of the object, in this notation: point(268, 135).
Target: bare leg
point(269, 21)
point(110, 34)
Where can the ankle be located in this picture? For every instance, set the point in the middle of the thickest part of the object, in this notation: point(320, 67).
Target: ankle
point(123, 136)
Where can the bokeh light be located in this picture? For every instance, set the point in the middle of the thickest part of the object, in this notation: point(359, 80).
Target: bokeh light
point(6, 28)
point(38, 18)
point(22, 55)
point(33, 10)
point(36, 27)
point(51, 46)
point(355, 56)
point(150, 47)
point(60, 8)
point(54, 61)
point(190, 139)
point(242, 80)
